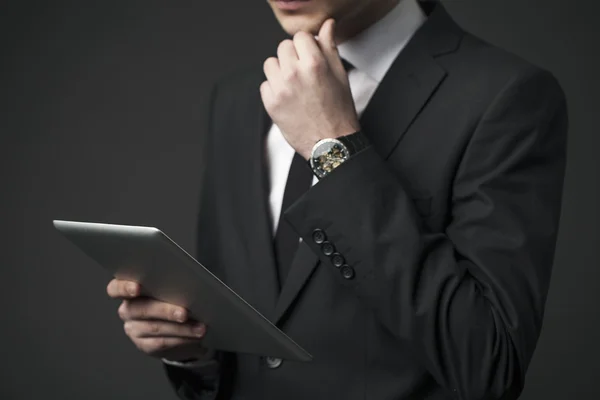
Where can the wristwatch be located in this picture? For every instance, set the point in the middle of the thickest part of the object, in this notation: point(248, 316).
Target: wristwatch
point(328, 154)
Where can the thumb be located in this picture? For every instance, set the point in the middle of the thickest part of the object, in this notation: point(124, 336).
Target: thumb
point(328, 46)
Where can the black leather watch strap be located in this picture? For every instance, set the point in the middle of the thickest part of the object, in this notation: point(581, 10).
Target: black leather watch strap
point(355, 142)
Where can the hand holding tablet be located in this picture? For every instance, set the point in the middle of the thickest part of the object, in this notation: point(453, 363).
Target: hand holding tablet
point(157, 328)
point(170, 280)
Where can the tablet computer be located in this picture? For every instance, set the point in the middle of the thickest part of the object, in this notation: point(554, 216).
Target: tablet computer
point(168, 273)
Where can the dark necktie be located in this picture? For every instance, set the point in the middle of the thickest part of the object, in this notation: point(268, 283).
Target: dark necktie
point(347, 66)
point(286, 240)
point(298, 182)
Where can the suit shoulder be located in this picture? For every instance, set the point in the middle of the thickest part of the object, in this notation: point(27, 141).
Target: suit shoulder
point(485, 61)
point(484, 67)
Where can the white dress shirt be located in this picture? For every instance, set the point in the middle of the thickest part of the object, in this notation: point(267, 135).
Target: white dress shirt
point(372, 52)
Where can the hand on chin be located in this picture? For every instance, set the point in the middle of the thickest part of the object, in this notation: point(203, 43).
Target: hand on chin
point(307, 93)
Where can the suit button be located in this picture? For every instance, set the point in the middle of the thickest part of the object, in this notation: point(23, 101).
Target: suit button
point(327, 248)
point(319, 236)
point(337, 260)
point(347, 272)
point(274, 362)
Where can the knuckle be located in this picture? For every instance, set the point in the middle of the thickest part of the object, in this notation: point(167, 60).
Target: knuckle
point(153, 328)
point(290, 75)
point(301, 35)
point(269, 62)
point(175, 313)
point(316, 64)
point(122, 289)
point(116, 288)
point(285, 44)
point(286, 93)
point(169, 312)
point(130, 289)
point(263, 86)
point(143, 311)
point(268, 103)
point(279, 97)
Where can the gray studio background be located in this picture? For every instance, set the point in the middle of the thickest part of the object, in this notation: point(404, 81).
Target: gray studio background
point(102, 115)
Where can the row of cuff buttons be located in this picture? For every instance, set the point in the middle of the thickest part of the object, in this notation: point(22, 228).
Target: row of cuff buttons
point(328, 249)
point(337, 260)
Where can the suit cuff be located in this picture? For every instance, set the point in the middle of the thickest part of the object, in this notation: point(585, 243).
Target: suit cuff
point(335, 217)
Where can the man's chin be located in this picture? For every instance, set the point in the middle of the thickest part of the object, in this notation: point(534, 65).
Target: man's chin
point(294, 24)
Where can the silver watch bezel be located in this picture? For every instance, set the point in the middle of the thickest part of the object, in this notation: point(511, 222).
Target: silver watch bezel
point(317, 170)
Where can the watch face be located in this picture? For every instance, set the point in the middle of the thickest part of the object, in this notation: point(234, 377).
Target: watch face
point(327, 155)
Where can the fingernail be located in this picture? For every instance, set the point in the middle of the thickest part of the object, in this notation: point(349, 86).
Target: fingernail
point(131, 289)
point(199, 330)
point(179, 315)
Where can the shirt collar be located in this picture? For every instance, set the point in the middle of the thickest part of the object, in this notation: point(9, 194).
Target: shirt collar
point(374, 50)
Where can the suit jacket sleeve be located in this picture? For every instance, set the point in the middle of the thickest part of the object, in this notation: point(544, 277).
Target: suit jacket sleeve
point(469, 300)
point(205, 382)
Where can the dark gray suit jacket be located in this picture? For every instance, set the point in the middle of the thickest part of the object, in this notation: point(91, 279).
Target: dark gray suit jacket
point(447, 224)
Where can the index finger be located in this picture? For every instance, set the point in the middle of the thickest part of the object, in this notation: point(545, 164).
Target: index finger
point(122, 289)
point(326, 35)
point(328, 45)
point(306, 47)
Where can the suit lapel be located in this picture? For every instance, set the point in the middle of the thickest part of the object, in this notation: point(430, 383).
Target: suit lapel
point(403, 92)
point(255, 215)
point(304, 263)
point(410, 82)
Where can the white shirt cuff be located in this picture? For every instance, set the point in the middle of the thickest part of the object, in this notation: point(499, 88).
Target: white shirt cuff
point(206, 360)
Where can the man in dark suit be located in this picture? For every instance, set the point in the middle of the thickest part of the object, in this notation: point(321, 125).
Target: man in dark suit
point(418, 263)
